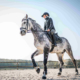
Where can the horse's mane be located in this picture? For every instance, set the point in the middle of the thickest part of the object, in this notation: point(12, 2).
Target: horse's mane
point(32, 20)
point(36, 24)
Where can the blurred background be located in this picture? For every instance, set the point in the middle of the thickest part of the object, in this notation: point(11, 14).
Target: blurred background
point(66, 19)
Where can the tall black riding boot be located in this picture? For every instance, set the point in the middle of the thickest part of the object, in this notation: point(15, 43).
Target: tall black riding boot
point(54, 40)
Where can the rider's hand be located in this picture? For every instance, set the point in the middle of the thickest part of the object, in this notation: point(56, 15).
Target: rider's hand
point(48, 30)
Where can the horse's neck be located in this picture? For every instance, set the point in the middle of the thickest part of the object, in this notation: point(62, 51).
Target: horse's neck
point(36, 31)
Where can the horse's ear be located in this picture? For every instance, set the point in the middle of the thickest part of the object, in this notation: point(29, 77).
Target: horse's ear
point(26, 16)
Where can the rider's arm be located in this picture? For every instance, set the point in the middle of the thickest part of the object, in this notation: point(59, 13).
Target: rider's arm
point(44, 26)
point(51, 26)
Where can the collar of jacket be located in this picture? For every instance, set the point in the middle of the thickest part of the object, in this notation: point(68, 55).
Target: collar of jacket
point(47, 18)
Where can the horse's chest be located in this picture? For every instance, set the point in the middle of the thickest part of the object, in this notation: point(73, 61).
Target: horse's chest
point(37, 44)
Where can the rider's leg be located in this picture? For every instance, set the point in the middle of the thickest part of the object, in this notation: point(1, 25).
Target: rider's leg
point(53, 37)
point(54, 40)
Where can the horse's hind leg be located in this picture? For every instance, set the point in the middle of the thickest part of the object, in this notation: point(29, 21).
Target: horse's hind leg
point(69, 51)
point(60, 58)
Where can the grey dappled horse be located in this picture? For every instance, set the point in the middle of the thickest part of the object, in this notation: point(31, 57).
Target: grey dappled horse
point(43, 45)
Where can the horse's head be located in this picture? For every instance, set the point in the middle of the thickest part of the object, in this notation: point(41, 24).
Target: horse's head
point(25, 26)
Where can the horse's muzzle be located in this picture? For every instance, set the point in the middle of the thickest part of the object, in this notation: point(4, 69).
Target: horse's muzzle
point(23, 32)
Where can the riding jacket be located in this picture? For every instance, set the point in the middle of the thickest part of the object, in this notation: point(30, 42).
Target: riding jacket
point(48, 24)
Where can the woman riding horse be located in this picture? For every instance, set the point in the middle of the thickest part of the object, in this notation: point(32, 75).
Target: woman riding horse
point(48, 26)
point(43, 45)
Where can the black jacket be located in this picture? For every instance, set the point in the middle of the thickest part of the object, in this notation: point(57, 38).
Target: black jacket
point(49, 24)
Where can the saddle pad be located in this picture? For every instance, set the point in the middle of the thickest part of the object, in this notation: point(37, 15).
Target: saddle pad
point(58, 39)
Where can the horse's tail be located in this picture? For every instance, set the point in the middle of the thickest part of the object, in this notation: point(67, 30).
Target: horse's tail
point(70, 53)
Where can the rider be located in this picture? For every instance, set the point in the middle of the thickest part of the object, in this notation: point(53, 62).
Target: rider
point(48, 26)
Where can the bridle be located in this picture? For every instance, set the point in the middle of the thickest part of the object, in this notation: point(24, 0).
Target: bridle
point(26, 25)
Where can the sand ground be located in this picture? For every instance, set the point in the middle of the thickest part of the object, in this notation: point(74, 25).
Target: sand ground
point(30, 74)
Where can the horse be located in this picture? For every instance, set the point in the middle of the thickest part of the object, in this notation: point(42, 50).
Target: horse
point(43, 45)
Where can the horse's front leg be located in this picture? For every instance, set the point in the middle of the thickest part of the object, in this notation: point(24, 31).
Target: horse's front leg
point(33, 61)
point(46, 51)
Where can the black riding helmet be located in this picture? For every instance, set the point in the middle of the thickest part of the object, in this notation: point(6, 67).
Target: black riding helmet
point(45, 13)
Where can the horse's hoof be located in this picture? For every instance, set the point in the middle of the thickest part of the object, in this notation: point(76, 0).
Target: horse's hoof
point(59, 74)
point(44, 77)
point(77, 73)
point(38, 70)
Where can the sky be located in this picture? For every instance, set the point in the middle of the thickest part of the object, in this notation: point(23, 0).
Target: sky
point(66, 19)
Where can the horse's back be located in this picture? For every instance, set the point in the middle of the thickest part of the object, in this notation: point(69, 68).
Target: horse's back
point(61, 46)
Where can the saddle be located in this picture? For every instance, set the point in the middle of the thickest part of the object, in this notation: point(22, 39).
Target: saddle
point(58, 39)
